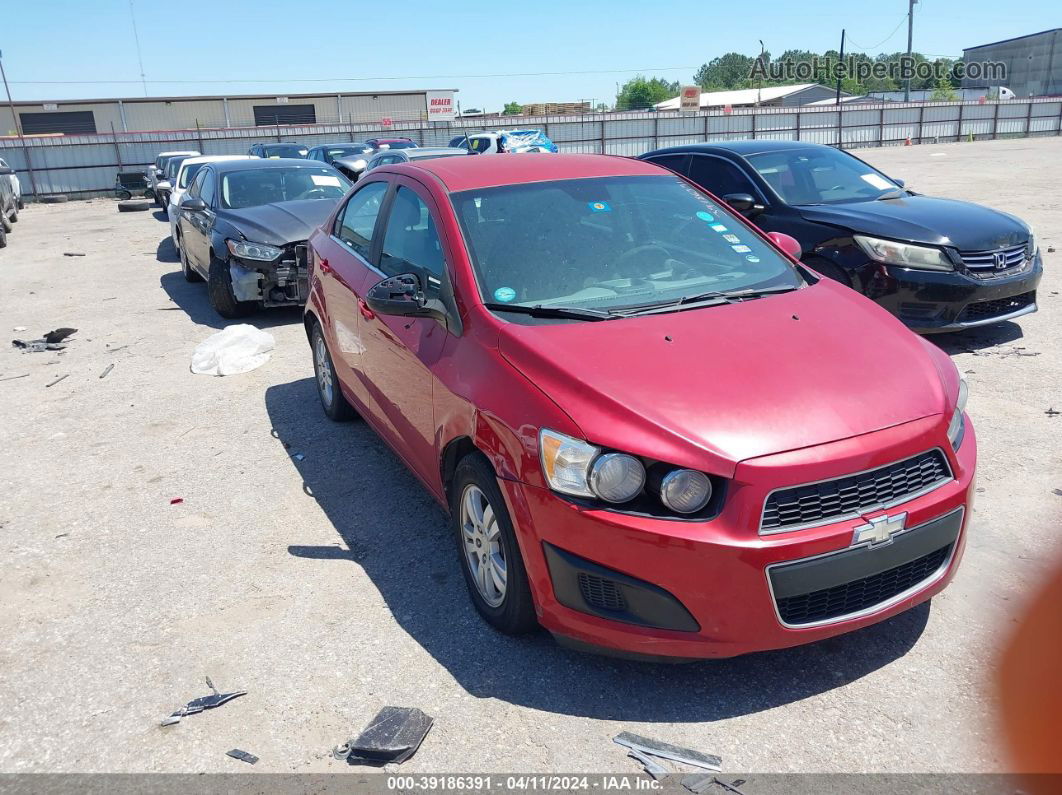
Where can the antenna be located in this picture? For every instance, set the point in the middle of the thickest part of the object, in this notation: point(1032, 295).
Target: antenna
point(136, 38)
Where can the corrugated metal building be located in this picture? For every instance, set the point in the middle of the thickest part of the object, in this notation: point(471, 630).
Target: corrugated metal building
point(137, 114)
point(766, 97)
point(1034, 63)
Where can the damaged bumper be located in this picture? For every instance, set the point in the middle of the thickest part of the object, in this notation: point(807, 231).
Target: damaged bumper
point(650, 587)
point(281, 282)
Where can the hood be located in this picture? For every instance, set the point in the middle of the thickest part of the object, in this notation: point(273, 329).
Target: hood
point(281, 223)
point(710, 387)
point(923, 219)
point(351, 162)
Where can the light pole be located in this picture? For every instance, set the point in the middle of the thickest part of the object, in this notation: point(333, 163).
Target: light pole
point(910, 40)
point(18, 129)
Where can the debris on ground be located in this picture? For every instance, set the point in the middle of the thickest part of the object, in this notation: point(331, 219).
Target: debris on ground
point(58, 335)
point(1052, 413)
point(197, 705)
point(176, 500)
point(49, 342)
point(1057, 492)
point(654, 769)
point(668, 751)
point(393, 736)
point(700, 782)
point(13, 377)
point(233, 350)
point(243, 756)
point(73, 254)
point(106, 370)
point(18, 328)
point(57, 380)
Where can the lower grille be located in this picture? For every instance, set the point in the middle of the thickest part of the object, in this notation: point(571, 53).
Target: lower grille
point(602, 593)
point(982, 310)
point(852, 597)
point(831, 500)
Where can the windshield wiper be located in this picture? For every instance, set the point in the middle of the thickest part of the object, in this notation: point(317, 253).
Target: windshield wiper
point(713, 298)
point(538, 310)
point(895, 193)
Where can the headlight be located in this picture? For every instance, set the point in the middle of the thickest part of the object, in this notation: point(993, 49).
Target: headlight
point(685, 490)
point(906, 254)
point(617, 477)
point(248, 250)
point(1030, 247)
point(957, 427)
point(566, 462)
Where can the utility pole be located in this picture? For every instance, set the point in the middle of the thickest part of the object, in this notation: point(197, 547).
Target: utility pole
point(759, 83)
point(838, 102)
point(18, 129)
point(910, 41)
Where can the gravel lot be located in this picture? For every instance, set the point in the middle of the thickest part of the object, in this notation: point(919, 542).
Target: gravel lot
point(329, 587)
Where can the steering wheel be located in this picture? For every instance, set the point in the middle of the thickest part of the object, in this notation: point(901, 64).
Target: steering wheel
point(630, 254)
point(312, 193)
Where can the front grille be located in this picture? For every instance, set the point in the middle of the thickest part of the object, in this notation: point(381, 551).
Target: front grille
point(852, 597)
point(602, 593)
point(981, 310)
point(984, 264)
point(831, 500)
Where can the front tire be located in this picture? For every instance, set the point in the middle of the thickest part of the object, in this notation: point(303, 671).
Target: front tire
point(490, 555)
point(5, 222)
point(829, 270)
point(219, 287)
point(335, 405)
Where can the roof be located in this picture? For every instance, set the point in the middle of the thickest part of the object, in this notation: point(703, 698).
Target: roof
point(273, 97)
point(743, 147)
point(190, 161)
point(484, 171)
point(1015, 38)
point(844, 100)
point(224, 166)
point(743, 96)
point(429, 151)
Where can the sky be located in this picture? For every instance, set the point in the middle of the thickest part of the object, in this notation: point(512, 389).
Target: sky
point(52, 49)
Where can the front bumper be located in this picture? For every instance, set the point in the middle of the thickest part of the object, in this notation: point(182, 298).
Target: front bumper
point(667, 588)
point(280, 282)
point(934, 301)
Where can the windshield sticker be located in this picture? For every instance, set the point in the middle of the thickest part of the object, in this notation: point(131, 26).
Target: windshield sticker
point(505, 294)
point(599, 207)
point(325, 180)
point(731, 238)
point(752, 258)
point(876, 181)
point(741, 249)
point(719, 228)
point(705, 216)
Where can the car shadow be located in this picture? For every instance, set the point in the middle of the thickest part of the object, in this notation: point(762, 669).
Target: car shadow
point(387, 524)
point(977, 339)
point(166, 251)
point(160, 215)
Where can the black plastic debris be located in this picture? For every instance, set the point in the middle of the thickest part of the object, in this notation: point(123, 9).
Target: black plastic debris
point(197, 705)
point(668, 751)
point(698, 782)
point(73, 254)
point(1052, 413)
point(394, 735)
point(49, 342)
point(58, 335)
point(243, 756)
point(653, 768)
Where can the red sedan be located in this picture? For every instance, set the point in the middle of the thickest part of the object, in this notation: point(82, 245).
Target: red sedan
point(654, 431)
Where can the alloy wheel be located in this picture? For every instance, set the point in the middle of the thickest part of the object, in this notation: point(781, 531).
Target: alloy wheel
point(324, 370)
point(482, 541)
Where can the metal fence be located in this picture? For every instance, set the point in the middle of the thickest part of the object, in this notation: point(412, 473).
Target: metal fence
point(87, 164)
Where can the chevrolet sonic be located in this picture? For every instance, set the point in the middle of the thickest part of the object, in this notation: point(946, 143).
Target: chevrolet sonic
point(654, 430)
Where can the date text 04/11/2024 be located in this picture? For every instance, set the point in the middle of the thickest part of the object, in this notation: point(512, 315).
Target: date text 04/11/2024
point(518, 783)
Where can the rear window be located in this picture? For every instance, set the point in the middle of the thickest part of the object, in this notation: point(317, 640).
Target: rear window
point(188, 174)
point(285, 150)
point(259, 186)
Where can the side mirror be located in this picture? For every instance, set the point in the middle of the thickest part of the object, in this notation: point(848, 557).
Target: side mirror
point(193, 204)
point(5, 171)
point(789, 244)
point(900, 182)
point(402, 295)
point(744, 203)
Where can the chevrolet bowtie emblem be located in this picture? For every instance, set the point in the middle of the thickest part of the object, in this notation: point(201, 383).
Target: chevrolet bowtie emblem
point(880, 530)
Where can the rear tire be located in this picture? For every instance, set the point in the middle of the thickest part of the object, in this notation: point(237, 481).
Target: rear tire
point(21, 203)
point(3, 238)
point(219, 288)
point(5, 222)
point(489, 553)
point(14, 214)
point(335, 405)
point(190, 273)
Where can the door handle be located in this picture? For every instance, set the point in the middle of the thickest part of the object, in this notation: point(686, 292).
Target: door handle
point(366, 313)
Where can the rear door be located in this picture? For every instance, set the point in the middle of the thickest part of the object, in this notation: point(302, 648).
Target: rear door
point(401, 351)
point(342, 265)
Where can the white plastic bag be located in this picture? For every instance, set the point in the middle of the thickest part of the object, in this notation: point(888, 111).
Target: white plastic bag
point(233, 350)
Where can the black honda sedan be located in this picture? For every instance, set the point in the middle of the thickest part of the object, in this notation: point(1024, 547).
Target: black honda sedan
point(243, 228)
point(937, 264)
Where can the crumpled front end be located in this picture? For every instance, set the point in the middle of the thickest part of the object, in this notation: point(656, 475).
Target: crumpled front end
point(280, 282)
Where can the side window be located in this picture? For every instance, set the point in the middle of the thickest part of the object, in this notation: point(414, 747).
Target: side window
point(677, 163)
point(206, 188)
point(354, 225)
point(197, 184)
point(412, 241)
point(719, 176)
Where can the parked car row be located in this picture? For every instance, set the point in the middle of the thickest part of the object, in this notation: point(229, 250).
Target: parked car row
point(10, 201)
point(632, 380)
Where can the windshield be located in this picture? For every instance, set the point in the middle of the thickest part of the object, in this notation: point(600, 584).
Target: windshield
point(173, 165)
point(820, 176)
point(188, 174)
point(258, 186)
point(398, 144)
point(611, 243)
point(285, 150)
